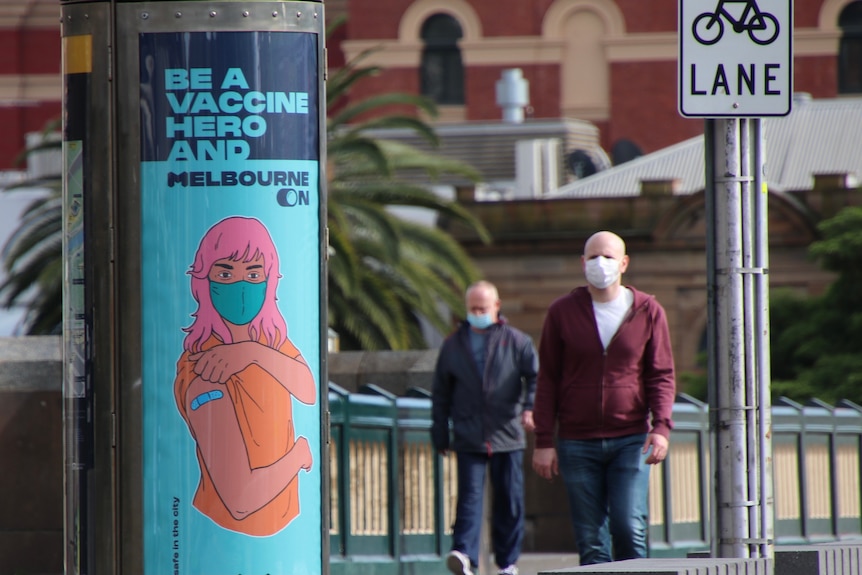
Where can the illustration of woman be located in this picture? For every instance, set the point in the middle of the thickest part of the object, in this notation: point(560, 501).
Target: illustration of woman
point(235, 380)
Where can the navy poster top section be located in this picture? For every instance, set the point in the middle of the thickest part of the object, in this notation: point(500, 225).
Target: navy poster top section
point(228, 96)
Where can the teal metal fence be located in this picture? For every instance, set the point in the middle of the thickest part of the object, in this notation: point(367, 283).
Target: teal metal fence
point(680, 486)
point(393, 497)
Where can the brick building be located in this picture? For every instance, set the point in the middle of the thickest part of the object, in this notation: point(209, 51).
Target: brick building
point(600, 72)
point(611, 62)
point(30, 89)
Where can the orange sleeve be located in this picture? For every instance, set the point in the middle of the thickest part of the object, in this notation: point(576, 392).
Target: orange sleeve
point(185, 376)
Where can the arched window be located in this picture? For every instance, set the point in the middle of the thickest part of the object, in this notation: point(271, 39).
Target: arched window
point(850, 50)
point(442, 70)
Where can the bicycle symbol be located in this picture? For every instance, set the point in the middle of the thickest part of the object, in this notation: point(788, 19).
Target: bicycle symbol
point(762, 27)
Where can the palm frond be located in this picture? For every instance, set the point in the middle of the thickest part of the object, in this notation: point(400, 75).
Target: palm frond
point(379, 101)
point(358, 151)
point(38, 225)
point(339, 82)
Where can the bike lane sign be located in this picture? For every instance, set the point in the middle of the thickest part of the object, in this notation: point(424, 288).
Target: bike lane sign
point(735, 58)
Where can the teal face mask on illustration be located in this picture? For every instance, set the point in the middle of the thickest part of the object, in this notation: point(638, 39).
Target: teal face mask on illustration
point(238, 302)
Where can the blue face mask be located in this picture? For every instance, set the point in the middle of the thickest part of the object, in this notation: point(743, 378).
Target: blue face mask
point(480, 321)
point(238, 302)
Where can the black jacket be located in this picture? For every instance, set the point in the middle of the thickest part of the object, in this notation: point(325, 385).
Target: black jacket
point(485, 410)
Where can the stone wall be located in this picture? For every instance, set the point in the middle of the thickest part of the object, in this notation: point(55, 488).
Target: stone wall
point(31, 456)
point(535, 255)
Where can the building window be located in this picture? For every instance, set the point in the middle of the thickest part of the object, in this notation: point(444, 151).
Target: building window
point(850, 51)
point(442, 70)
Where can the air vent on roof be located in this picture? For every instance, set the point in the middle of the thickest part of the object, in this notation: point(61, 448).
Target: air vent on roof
point(624, 151)
point(581, 164)
point(513, 94)
point(537, 167)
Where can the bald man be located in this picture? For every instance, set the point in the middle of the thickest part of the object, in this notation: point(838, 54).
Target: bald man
point(606, 385)
point(484, 383)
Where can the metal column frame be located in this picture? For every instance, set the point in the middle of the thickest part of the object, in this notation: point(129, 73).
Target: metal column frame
point(709, 145)
point(761, 340)
point(731, 433)
point(89, 339)
point(104, 503)
point(738, 314)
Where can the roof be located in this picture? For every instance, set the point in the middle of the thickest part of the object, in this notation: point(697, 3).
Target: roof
point(817, 137)
point(489, 147)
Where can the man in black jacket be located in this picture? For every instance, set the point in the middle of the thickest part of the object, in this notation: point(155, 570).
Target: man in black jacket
point(485, 382)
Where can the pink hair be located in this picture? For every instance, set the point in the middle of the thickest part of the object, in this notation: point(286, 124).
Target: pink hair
point(242, 240)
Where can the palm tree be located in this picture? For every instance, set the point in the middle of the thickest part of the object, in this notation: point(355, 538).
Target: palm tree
point(386, 274)
point(32, 256)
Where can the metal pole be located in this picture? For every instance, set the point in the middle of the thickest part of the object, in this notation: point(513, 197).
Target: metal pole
point(739, 357)
point(748, 329)
point(731, 433)
point(761, 342)
point(709, 137)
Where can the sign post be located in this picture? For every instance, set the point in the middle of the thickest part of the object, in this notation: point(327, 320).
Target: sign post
point(735, 66)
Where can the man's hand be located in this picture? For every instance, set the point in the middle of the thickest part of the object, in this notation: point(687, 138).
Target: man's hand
point(545, 462)
point(659, 445)
point(527, 421)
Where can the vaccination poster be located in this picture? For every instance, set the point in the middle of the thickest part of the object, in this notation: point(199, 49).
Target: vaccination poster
point(230, 272)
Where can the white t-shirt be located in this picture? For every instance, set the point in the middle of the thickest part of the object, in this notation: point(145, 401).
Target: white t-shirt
point(610, 314)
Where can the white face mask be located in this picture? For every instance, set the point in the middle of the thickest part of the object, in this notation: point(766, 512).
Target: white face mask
point(602, 272)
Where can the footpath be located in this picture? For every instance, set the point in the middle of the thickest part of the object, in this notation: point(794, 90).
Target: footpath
point(533, 563)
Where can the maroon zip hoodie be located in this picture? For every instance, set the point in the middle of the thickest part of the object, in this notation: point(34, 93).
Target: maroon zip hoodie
point(588, 392)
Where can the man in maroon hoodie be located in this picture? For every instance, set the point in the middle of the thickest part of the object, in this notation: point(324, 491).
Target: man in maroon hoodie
point(606, 383)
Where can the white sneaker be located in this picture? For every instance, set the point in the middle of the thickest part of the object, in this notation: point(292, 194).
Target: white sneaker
point(458, 563)
point(510, 570)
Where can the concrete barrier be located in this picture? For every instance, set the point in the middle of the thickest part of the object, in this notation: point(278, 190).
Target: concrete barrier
point(834, 558)
point(672, 566)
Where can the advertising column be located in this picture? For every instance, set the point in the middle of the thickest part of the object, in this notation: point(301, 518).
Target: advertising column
point(231, 292)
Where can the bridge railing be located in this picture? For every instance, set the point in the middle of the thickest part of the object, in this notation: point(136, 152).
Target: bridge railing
point(393, 497)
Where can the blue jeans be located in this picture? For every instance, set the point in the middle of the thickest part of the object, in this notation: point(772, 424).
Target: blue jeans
point(607, 481)
point(507, 510)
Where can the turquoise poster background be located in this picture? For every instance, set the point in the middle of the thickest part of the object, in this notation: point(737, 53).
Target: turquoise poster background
point(231, 415)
